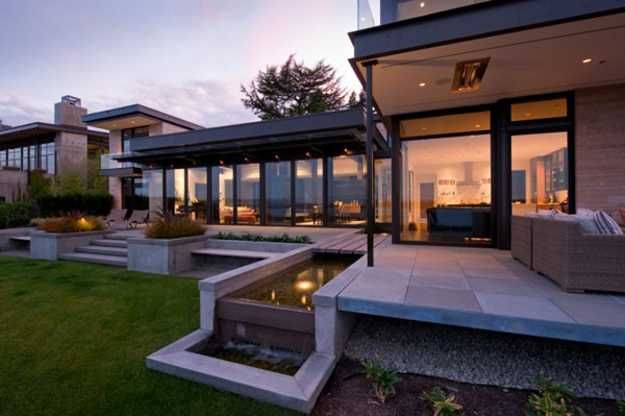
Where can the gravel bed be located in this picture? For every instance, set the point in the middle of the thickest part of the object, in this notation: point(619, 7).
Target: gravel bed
point(489, 358)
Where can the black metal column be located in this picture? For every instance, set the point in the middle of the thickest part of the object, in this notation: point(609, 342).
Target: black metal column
point(370, 163)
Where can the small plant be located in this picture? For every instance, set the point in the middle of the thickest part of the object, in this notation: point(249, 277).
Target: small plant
point(284, 238)
point(620, 408)
point(382, 379)
point(73, 223)
point(442, 403)
point(169, 226)
point(552, 399)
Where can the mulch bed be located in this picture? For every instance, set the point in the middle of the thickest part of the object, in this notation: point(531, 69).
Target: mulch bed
point(349, 393)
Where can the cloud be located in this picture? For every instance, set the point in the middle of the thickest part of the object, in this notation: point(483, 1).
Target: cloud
point(15, 111)
point(209, 103)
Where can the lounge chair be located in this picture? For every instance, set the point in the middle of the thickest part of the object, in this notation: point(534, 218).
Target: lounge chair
point(117, 216)
point(138, 217)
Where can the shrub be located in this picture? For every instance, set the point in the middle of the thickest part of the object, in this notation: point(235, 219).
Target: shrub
point(71, 224)
point(442, 404)
point(89, 203)
point(620, 408)
point(552, 400)
point(174, 227)
point(383, 380)
point(284, 238)
point(16, 214)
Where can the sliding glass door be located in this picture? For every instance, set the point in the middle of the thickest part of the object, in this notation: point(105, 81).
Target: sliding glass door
point(278, 193)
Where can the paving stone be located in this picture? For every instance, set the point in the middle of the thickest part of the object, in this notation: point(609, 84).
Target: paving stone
point(432, 297)
point(522, 307)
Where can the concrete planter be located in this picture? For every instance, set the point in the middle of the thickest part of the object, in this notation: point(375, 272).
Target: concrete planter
point(266, 246)
point(163, 256)
point(49, 246)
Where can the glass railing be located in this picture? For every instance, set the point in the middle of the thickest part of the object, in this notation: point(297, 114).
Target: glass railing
point(109, 161)
point(376, 12)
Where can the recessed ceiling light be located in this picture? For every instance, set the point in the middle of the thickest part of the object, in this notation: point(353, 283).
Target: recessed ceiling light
point(477, 126)
point(422, 4)
point(586, 60)
point(528, 114)
point(422, 84)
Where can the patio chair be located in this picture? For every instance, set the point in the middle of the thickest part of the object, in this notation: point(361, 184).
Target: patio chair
point(117, 216)
point(138, 217)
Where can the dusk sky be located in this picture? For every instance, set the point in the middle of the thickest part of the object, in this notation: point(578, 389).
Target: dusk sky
point(184, 57)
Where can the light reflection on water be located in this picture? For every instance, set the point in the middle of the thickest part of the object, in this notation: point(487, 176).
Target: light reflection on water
point(295, 286)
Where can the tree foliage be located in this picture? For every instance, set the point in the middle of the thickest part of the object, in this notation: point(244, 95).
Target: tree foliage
point(294, 89)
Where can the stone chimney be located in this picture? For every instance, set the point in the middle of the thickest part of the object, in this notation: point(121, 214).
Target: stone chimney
point(69, 112)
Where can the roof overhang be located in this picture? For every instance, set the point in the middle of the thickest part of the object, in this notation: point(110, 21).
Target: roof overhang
point(33, 131)
point(134, 116)
point(537, 60)
point(321, 133)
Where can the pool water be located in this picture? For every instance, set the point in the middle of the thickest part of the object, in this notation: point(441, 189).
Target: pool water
point(248, 353)
point(295, 286)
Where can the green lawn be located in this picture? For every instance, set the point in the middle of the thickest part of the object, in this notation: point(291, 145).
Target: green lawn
point(73, 339)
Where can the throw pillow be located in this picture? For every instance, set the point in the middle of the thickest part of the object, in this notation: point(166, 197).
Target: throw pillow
point(606, 224)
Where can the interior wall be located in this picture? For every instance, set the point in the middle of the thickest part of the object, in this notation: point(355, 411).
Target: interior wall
point(600, 147)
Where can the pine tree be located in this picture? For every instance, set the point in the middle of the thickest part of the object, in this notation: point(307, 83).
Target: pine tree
point(294, 89)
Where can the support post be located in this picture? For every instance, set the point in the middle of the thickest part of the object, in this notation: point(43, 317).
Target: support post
point(370, 162)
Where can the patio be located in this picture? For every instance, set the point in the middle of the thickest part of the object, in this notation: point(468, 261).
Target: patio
point(482, 289)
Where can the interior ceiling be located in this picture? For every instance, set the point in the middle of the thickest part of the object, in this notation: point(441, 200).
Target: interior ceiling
point(523, 63)
point(476, 148)
point(125, 122)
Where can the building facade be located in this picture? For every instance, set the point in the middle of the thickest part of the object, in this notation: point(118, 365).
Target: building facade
point(63, 147)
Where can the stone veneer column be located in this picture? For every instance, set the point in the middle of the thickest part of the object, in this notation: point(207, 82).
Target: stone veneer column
point(600, 147)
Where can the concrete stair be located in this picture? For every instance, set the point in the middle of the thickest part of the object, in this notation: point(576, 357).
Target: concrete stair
point(112, 250)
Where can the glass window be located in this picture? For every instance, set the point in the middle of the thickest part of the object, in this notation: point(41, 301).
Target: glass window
point(447, 124)
point(141, 194)
point(540, 173)
point(278, 192)
point(14, 158)
point(32, 157)
point(3, 158)
point(48, 158)
point(446, 190)
point(248, 191)
point(175, 191)
point(347, 190)
point(154, 181)
point(128, 134)
point(309, 192)
point(25, 158)
point(383, 187)
point(536, 110)
point(197, 185)
point(222, 198)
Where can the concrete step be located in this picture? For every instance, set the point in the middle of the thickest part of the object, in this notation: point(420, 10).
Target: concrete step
point(96, 258)
point(106, 251)
point(233, 253)
point(21, 238)
point(116, 237)
point(110, 243)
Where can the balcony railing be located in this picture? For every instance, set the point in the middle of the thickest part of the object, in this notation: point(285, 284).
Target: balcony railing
point(380, 12)
point(109, 162)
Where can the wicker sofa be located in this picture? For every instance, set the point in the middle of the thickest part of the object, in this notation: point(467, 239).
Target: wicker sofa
point(577, 262)
point(521, 241)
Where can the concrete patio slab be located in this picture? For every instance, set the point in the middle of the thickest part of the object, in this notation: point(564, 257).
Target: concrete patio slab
point(482, 289)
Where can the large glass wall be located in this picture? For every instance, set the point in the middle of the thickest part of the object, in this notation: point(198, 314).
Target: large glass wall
point(446, 189)
point(222, 194)
point(309, 192)
point(383, 187)
point(347, 190)
point(278, 192)
point(248, 193)
point(154, 184)
point(197, 188)
point(175, 191)
point(539, 176)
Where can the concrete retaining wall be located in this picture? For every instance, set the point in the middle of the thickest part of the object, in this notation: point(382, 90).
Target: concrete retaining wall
point(266, 246)
point(48, 246)
point(6, 234)
point(163, 256)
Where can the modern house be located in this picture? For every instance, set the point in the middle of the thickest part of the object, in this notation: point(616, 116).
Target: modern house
point(62, 147)
point(483, 109)
point(126, 182)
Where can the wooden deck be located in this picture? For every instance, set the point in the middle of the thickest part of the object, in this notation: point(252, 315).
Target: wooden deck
point(352, 244)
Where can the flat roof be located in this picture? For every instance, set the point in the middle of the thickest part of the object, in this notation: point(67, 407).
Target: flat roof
point(35, 129)
point(137, 109)
point(313, 129)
